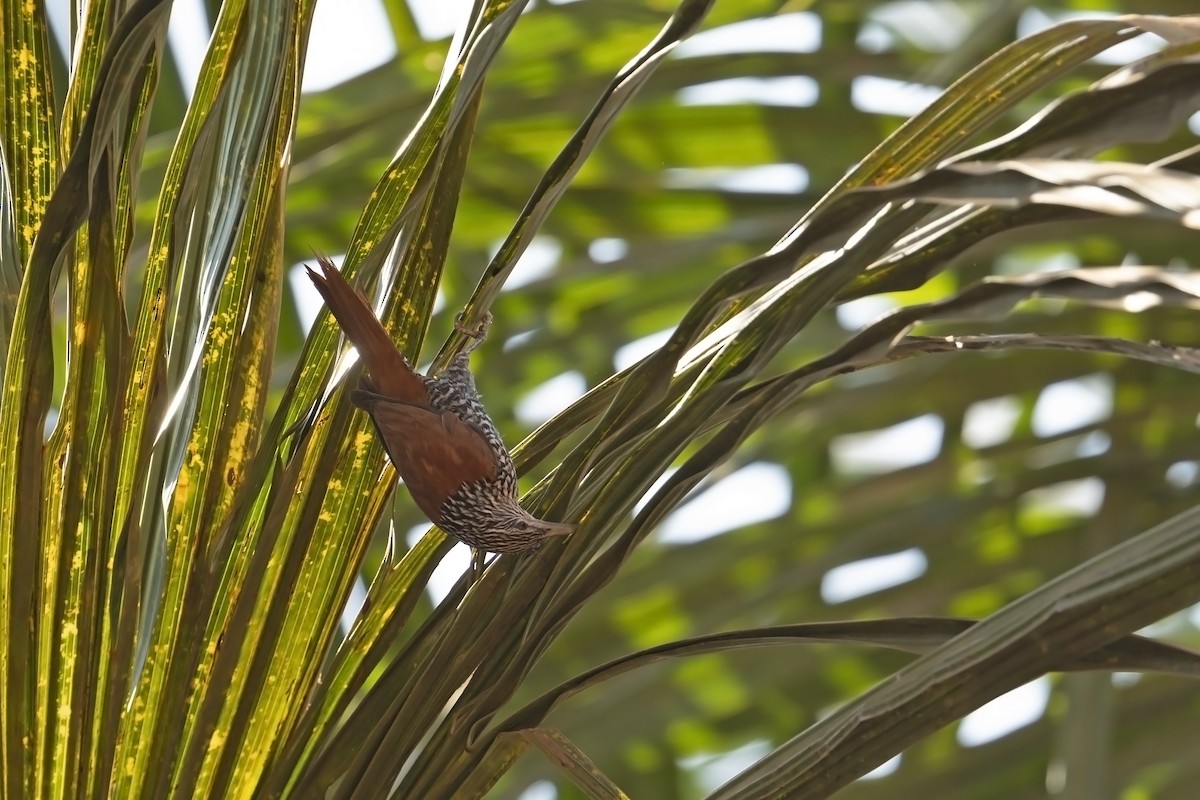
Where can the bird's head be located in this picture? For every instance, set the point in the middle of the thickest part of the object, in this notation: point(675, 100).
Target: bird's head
point(520, 530)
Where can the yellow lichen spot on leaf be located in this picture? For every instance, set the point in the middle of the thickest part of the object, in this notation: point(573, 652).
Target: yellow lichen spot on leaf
point(183, 483)
point(254, 386)
point(195, 461)
point(325, 516)
point(241, 435)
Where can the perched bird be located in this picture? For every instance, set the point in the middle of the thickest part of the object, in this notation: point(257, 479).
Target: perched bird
point(436, 432)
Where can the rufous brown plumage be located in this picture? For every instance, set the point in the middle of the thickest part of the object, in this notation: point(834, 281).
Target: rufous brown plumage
point(436, 432)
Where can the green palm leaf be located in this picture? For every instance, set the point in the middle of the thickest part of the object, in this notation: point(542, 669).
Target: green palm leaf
point(187, 500)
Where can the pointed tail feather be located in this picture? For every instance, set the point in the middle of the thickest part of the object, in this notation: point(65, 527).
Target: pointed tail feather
point(391, 373)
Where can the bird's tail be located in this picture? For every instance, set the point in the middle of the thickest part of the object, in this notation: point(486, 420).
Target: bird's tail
point(391, 374)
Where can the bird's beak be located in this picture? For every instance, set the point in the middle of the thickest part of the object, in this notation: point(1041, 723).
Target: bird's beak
point(557, 528)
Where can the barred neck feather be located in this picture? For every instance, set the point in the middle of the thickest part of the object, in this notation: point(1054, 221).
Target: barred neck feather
point(492, 521)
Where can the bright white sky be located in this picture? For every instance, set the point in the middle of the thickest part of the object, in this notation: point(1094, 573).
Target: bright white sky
point(352, 36)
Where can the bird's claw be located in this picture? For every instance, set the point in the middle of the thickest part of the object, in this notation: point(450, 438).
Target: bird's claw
point(477, 335)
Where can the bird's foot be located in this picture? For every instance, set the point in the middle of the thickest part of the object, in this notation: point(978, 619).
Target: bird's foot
point(476, 336)
point(479, 562)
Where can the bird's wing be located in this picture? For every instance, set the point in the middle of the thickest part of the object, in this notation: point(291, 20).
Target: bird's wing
point(436, 453)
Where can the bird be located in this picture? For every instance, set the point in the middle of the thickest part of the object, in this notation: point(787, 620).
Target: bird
point(436, 431)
